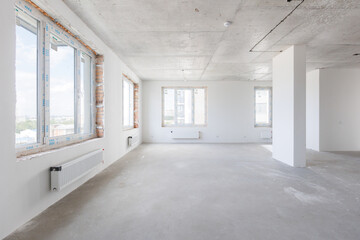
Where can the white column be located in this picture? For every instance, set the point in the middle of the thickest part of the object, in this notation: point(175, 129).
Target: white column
point(313, 110)
point(289, 106)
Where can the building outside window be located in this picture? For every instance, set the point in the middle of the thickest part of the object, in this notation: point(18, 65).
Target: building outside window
point(184, 106)
point(263, 111)
point(26, 79)
point(55, 101)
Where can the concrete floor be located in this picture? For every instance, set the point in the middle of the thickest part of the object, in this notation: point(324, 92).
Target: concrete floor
point(204, 191)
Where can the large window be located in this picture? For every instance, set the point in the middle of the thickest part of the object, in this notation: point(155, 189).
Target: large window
point(263, 107)
point(55, 103)
point(26, 79)
point(128, 104)
point(184, 106)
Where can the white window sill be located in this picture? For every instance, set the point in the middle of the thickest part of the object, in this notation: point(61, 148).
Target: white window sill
point(45, 150)
point(259, 126)
point(128, 128)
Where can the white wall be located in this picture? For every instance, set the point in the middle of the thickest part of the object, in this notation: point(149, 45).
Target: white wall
point(230, 112)
point(312, 110)
point(25, 184)
point(338, 113)
point(289, 106)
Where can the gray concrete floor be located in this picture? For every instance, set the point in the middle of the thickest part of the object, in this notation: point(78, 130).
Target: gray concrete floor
point(209, 191)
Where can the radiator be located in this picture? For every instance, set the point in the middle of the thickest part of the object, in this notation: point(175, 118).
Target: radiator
point(266, 134)
point(132, 140)
point(184, 134)
point(67, 173)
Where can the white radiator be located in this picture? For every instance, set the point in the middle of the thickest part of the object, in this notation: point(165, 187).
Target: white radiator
point(67, 173)
point(132, 140)
point(185, 134)
point(266, 134)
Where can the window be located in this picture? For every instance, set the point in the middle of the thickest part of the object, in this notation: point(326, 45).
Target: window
point(62, 88)
point(85, 96)
point(55, 100)
point(26, 79)
point(128, 104)
point(263, 107)
point(184, 106)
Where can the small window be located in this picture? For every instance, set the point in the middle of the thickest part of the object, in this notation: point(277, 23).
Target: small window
point(128, 104)
point(263, 107)
point(27, 124)
point(62, 88)
point(184, 106)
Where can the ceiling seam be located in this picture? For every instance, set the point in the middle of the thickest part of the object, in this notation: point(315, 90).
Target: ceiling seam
point(263, 38)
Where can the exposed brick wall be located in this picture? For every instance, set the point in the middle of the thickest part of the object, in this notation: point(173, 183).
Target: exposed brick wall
point(99, 94)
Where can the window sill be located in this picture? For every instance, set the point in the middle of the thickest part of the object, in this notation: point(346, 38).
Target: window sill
point(192, 126)
point(128, 128)
point(46, 149)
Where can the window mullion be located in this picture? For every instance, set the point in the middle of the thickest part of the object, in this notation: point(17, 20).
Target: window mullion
point(41, 84)
point(129, 107)
point(193, 107)
point(77, 82)
point(175, 107)
point(132, 105)
point(270, 106)
point(46, 101)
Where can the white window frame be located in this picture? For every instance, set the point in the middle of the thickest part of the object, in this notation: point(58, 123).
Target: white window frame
point(192, 107)
point(269, 125)
point(40, 62)
point(131, 102)
point(45, 28)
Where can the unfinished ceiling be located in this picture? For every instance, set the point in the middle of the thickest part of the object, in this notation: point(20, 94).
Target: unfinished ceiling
point(187, 40)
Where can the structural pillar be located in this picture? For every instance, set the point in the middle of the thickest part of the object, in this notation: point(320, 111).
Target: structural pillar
point(289, 106)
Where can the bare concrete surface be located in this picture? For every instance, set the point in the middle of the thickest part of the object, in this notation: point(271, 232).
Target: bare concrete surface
point(209, 191)
point(181, 39)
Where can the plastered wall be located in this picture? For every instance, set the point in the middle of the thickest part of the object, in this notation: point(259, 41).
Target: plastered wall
point(334, 124)
point(230, 112)
point(312, 110)
point(24, 185)
point(289, 91)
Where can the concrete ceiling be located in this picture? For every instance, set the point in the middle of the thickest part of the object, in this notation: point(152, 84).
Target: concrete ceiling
point(186, 39)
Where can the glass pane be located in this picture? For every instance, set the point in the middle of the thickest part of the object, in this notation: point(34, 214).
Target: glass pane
point(199, 105)
point(85, 94)
point(262, 107)
point(26, 80)
point(131, 106)
point(126, 103)
point(184, 106)
point(62, 87)
point(169, 107)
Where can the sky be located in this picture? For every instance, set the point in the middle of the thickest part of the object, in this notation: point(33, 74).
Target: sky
point(61, 77)
point(62, 71)
point(25, 72)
